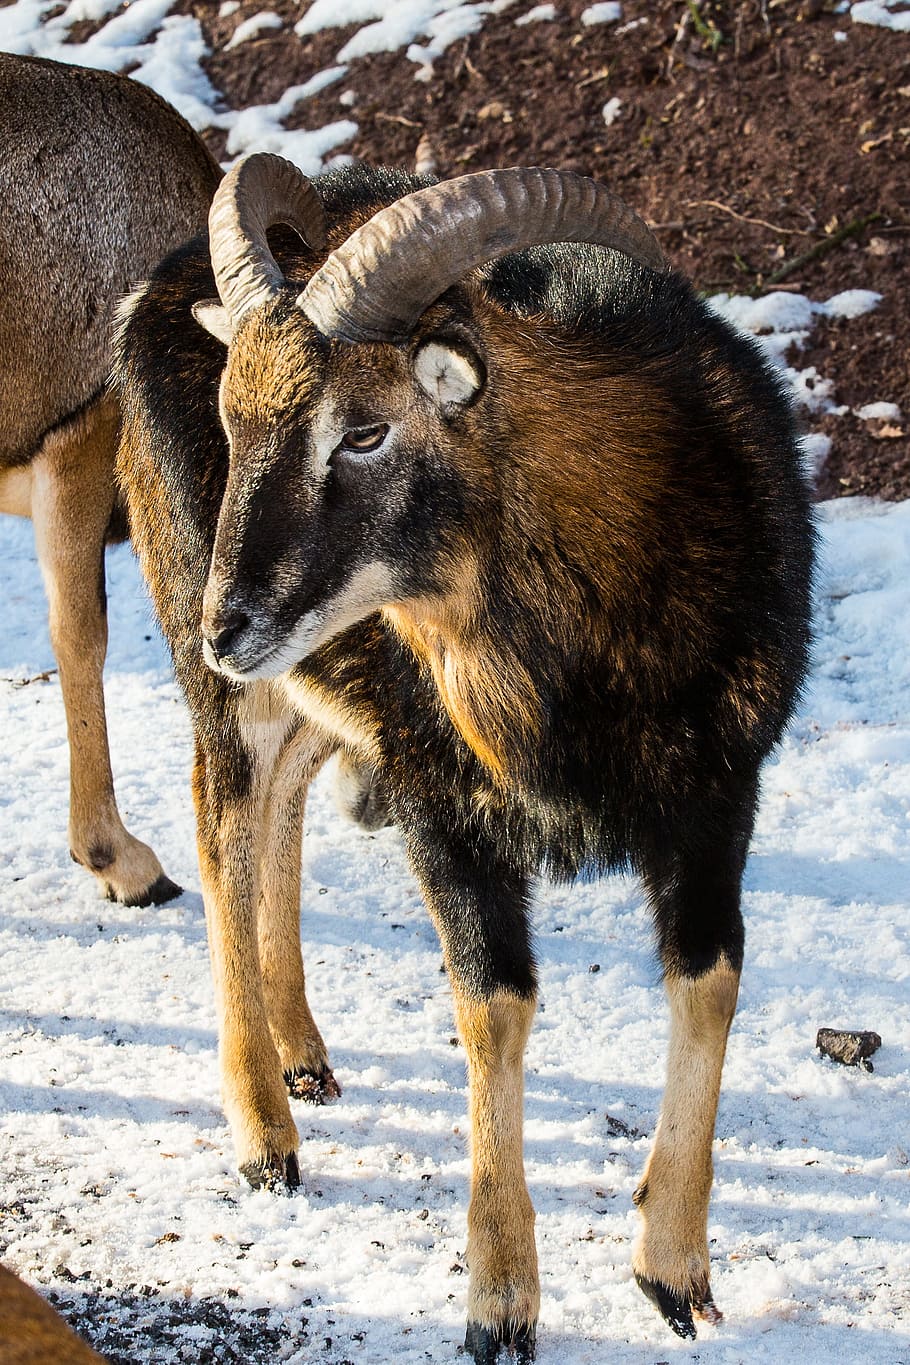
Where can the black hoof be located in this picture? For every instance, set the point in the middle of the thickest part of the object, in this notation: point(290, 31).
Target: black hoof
point(276, 1174)
point(311, 1086)
point(673, 1308)
point(485, 1343)
point(162, 889)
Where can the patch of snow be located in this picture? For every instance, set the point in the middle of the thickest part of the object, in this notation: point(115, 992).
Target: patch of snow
point(259, 128)
point(80, 11)
point(400, 24)
point(851, 303)
point(781, 322)
point(445, 29)
point(882, 13)
point(611, 110)
point(257, 23)
point(603, 13)
point(19, 23)
point(388, 25)
point(227, 8)
point(324, 14)
point(887, 412)
point(539, 14)
point(172, 65)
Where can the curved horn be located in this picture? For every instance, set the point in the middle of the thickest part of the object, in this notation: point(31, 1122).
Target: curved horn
point(376, 285)
point(257, 193)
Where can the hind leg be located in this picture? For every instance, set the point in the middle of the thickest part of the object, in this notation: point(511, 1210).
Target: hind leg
point(303, 1054)
point(72, 501)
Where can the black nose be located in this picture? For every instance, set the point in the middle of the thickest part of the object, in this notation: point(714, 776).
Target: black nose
point(232, 625)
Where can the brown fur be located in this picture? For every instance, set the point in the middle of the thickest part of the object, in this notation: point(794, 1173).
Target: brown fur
point(489, 696)
point(134, 181)
point(31, 1333)
point(113, 178)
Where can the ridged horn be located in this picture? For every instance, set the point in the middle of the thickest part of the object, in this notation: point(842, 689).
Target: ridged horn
point(257, 193)
point(376, 285)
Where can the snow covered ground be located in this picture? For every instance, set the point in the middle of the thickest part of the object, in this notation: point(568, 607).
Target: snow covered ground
point(118, 1175)
point(119, 1190)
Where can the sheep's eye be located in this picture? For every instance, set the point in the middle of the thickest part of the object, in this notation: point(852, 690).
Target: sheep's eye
point(364, 439)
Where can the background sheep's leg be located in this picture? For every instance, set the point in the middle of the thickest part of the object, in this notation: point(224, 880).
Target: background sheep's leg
point(359, 793)
point(230, 790)
point(303, 1055)
point(479, 906)
point(700, 930)
point(72, 501)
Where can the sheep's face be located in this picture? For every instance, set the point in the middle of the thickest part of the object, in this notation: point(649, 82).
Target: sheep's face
point(351, 483)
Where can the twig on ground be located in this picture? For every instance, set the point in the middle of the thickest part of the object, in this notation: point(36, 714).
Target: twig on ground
point(823, 247)
point(36, 677)
point(398, 118)
point(681, 27)
point(600, 75)
point(743, 217)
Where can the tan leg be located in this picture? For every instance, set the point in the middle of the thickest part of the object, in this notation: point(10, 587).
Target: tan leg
point(229, 834)
point(72, 499)
point(248, 810)
point(671, 1257)
point(504, 1290)
point(303, 1055)
point(479, 904)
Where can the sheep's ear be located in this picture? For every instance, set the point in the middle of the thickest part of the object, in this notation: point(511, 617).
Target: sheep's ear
point(451, 377)
point(211, 315)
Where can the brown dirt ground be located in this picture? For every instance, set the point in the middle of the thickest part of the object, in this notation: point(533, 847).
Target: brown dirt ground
point(757, 144)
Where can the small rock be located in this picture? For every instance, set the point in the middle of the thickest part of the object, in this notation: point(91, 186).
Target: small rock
point(850, 1047)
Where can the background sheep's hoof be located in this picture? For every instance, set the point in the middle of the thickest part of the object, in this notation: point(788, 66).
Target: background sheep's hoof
point(678, 1310)
point(276, 1173)
point(162, 889)
point(313, 1087)
point(485, 1343)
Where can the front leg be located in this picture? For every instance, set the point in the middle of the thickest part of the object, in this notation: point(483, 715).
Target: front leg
point(230, 791)
point(696, 902)
point(479, 905)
